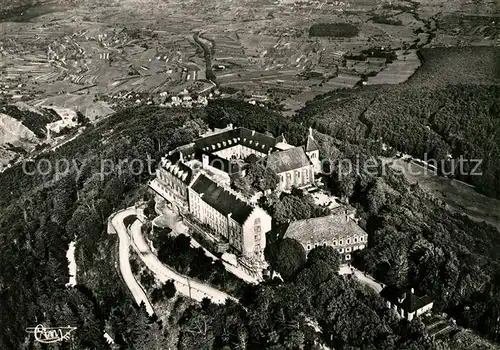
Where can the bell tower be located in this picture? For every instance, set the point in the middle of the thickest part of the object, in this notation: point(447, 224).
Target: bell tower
point(312, 151)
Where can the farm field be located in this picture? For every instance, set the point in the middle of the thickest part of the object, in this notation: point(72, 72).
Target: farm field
point(448, 109)
point(458, 196)
point(91, 51)
point(399, 70)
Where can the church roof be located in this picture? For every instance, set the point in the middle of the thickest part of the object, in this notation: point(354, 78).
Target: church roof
point(281, 138)
point(290, 159)
point(222, 199)
point(311, 144)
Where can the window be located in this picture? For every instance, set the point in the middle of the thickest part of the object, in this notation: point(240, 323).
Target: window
point(324, 244)
point(334, 242)
point(341, 250)
point(348, 249)
point(256, 228)
point(348, 241)
point(361, 238)
point(315, 245)
point(348, 256)
point(308, 246)
point(355, 239)
point(341, 242)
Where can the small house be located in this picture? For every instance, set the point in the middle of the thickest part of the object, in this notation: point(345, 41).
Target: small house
point(405, 302)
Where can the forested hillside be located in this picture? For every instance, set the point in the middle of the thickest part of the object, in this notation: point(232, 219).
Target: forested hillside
point(40, 215)
point(449, 108)
point(413, 239)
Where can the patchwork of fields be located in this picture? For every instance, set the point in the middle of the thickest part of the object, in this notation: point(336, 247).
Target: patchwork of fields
point(289, 51)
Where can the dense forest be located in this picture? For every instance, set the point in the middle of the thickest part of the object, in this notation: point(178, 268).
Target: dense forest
point(440, 114)
point(413, 240)
point(34, 121)
point(40, 215)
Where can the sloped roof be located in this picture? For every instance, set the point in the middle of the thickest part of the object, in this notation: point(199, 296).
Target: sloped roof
point(250, 138)
point(256, 140)
point(290, 159)
point(218, 141)
point(175, 166)
point(325, 228)
point(311, 144)
point(188, 151)
point(221, 199)
point(411, 301)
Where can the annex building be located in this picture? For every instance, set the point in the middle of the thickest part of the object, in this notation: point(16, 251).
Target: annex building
point(195, 180)
point(339, 230)
point(405, 302)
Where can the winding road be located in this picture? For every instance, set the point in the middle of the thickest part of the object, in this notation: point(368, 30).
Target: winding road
point(124, 259)
point(184, 285)
point(134, 237)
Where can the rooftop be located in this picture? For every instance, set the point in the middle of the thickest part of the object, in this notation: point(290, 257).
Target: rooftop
point(215, 174)
point(325, 228)
point(290, 159)
point(405, 298)
point(221, 199)
point(240, 136)
point(311, 144)
point(175, 166)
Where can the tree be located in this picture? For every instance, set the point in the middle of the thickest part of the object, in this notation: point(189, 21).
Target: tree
point(328, 255)
point(261, 178)
point(196, 331)
point(147, 279)
point(378, 195)
point(286, 257)
point(169, 289)
point(295, 206)
point(149, 210)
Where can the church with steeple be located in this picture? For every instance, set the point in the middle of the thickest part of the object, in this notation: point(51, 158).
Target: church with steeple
point(312, 151)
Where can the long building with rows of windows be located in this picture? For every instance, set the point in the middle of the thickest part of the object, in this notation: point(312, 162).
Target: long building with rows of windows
point(194, 180)
point(338, 230)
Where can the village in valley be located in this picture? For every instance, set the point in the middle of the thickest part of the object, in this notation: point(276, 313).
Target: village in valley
point(280, 54)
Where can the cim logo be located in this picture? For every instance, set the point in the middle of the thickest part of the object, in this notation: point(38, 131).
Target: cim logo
point(50, 335)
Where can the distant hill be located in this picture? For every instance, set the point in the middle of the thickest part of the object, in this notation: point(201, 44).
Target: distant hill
point(449, 107)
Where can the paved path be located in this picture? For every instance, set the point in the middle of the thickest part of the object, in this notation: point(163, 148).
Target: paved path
point(124, 259)
point(362, 277)
point(70, 255)
point(184, 285)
